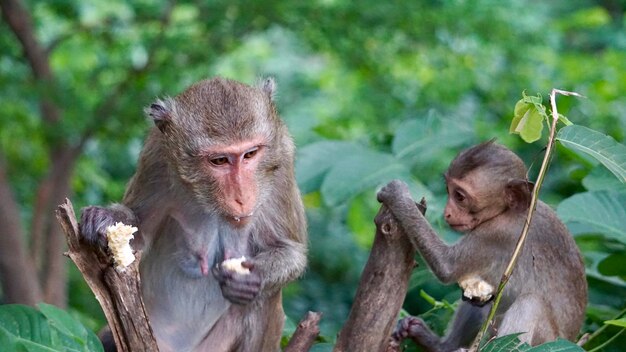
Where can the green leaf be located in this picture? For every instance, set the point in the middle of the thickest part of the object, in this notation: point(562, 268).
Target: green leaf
point(600, 178)
point(23, 328)
point(420, 140)
point(527, 120)
point(314, 161)
point(601, 211)
point(560, 345)
point(505, 344)
point(619, 322)
point(359, 171)
point(600, 146)
point(72, 328)
point(565, 120)
point(613, 265)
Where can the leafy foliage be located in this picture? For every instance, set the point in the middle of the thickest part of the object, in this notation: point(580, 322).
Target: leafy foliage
point(600, 146)
point(367, 94)
point(49, 329)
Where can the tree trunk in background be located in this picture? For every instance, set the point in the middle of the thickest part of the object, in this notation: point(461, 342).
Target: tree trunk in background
point(19, 277)
point(54, 188)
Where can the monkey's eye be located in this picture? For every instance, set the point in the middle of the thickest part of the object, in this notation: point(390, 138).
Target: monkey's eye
point(221, 160)
point(250, 154)
point(458, 196)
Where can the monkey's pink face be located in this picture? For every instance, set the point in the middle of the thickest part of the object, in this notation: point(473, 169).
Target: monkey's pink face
point(234, 168)
point(458, 212)
point(470, 202)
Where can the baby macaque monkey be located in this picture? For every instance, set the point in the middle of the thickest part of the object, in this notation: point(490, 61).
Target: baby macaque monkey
point(488, 200)
point(215, 182)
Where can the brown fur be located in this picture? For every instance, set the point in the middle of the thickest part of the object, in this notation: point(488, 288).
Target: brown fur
point(488, 200)
point(179, 206)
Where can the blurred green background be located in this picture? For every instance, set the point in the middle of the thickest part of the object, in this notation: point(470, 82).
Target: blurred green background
point(371, 90)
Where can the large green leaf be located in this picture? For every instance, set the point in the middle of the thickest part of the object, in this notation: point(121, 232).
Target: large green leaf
point(559, 345)
point(314, 160)
point(359, 171)
point(602, 212)
point(511, 343)
point(77, 335)
point(600, 178)
point(23, 328)
point(613, 265)
point(422, 139)
point(505, 344)
point(600, 146)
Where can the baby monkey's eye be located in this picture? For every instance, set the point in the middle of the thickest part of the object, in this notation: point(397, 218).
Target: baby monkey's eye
point(458, 196)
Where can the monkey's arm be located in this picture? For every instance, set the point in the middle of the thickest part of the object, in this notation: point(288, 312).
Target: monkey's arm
point(438, 255)
point(280, 264)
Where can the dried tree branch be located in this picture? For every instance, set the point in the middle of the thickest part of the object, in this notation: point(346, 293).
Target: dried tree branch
point(119, 293)
point(382, 288)
point(305, 334)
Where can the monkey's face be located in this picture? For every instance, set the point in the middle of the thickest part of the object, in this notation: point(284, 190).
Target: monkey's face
point(471, 202)
point(232, 171)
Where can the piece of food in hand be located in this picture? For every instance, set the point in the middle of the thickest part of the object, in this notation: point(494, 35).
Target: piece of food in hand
point(234, 265)
point(119, 236)
point(476, 289)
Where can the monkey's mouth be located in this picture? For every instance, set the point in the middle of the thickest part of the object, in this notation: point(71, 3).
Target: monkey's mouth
point(460, 227)
point(242, 219)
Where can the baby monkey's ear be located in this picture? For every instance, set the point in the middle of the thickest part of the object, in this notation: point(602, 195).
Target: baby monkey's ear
point(518, 194)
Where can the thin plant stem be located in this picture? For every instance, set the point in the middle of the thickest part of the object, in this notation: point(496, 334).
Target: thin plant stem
point(602, 328)
point(607, 342)
point(531, 210)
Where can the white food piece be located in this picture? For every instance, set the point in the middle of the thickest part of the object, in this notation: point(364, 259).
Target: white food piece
point(234, 265)
point(476, 288)
point(119, 236)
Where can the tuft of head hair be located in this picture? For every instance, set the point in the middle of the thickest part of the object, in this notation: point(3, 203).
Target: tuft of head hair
point(489, 155)
point(268, 85)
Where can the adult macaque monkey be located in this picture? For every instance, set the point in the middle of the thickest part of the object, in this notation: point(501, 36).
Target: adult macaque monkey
point(215, 181)
point(488, 199)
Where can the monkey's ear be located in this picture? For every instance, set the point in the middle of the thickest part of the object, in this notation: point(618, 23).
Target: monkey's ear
point(268, 86)
point(161, 113)
point(518, 193)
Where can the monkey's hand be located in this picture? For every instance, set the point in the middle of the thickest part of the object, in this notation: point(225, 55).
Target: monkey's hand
point(95, 220)
point(397, 192)
point(393, 191)
point(236, 287)
point(412, 328)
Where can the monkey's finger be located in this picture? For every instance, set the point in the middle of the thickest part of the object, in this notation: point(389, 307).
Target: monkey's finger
point(244, 286)
point(238, 297)
point(221, 275)
point(248, 264)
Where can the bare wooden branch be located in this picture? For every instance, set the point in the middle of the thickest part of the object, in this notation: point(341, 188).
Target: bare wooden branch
point(382, 289)
point(119, 293)
point(307, 331)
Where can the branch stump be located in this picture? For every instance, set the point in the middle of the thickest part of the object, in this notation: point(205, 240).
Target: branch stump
point(383, 286)
point(119, 293)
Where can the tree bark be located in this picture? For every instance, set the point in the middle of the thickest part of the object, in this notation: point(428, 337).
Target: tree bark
point(382, 288)
point(46, 240)
point(306, 333)
point(18, 273)
point(119, 293)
